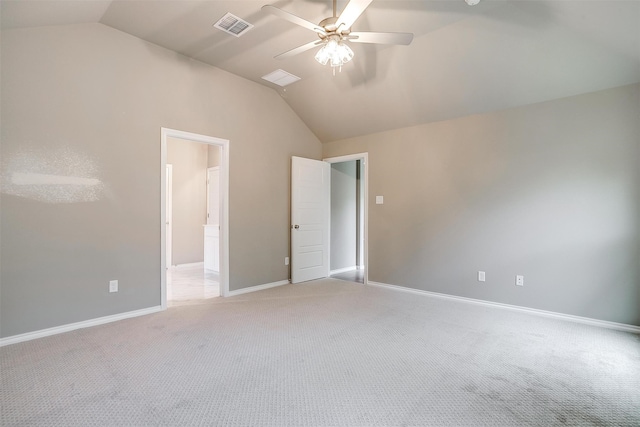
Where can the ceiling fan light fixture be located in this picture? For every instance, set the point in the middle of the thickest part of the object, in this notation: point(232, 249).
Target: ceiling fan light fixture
point(334, 52)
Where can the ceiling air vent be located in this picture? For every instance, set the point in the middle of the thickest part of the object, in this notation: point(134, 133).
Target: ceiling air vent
point(233, 25)
point(281, 78)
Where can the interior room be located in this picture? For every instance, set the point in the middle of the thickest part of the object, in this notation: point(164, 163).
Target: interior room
point(426, 212)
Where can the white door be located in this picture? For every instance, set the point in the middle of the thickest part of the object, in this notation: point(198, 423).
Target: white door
point(310, 198)
point(169, 211)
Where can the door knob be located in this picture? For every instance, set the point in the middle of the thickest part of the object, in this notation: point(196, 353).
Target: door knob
point(296, 226)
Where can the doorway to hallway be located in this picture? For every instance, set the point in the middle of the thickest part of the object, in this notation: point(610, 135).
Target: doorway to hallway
point(189, 270)
point(348, 248)
point(193, 233)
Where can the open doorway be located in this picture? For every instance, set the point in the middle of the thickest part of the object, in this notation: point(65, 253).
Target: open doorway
point(195, 218)
point(348, 251)
point(193, 234)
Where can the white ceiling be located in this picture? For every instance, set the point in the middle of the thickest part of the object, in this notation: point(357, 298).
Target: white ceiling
point(463, 60)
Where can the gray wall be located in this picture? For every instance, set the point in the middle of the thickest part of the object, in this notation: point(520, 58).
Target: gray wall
point(189, 168)
point(88, 102)
point(550, 191)
point(343, 215)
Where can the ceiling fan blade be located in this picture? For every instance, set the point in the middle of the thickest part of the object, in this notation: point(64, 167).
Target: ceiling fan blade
point(381, 38)
point(299, 49)
point(293, 18)
point(351, 12)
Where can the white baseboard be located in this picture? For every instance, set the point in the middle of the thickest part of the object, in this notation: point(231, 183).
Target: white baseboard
point(189, 265)
point(584, 320)
point(343, 270)
point(78, 325)
point(257, 288)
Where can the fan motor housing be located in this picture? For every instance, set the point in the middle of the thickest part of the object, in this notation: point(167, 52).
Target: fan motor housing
point(329, 25)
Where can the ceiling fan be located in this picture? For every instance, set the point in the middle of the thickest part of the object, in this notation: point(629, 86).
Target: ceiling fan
point(335, 31)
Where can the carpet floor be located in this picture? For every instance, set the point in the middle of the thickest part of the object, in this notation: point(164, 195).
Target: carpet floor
point(325, 353)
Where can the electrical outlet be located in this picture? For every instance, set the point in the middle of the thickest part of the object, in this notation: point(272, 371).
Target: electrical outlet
point(520, 280)
point(480, 276)
point(286, 260)
point(113, 286)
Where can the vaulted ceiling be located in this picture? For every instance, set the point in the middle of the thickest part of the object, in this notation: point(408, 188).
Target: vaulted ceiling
point(463, 60)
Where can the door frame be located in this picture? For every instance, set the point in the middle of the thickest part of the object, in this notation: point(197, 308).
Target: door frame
point(224, 206)
point(169, 209)
point(364, 157)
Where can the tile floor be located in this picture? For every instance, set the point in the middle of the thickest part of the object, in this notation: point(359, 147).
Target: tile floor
point(191, 284)
point(351, 276)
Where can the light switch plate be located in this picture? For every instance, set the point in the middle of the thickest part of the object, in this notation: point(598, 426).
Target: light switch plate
point(113, 286)
point(379, 200)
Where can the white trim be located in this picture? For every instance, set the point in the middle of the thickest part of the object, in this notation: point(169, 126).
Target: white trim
point(365, 159)
point(163, 221)
point(224, 145)
point(169, 208)
point(257, 288)
point(343, 270)
point(543, 313)
point(78, 325)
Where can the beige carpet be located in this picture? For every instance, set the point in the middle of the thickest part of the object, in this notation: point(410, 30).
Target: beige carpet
point(325, 353)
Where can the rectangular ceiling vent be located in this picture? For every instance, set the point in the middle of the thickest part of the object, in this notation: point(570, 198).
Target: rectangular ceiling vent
point(233, 25)
point(281, 78)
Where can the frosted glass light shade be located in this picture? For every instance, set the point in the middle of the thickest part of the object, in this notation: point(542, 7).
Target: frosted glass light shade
point(334, 52)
